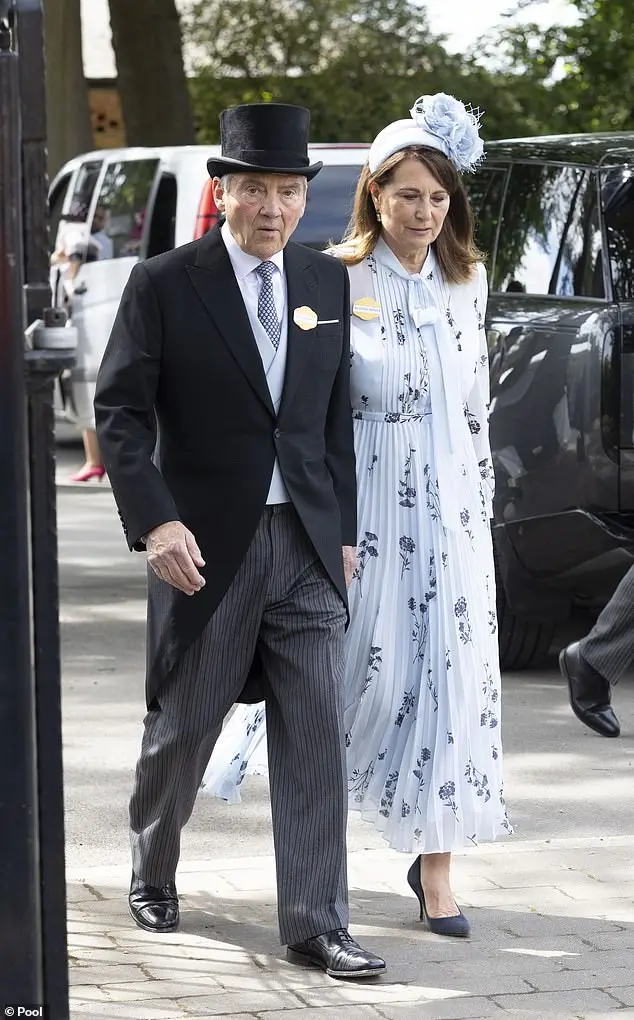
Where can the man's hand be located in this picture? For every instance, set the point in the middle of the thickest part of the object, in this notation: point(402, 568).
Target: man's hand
point(349, 562)
point(173, 554)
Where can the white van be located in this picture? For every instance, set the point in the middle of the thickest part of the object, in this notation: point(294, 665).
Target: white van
point(149, 200)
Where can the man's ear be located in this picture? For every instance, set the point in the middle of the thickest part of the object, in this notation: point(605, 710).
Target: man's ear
point(219, 194)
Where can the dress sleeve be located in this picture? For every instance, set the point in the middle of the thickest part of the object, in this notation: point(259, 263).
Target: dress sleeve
point(477, 406)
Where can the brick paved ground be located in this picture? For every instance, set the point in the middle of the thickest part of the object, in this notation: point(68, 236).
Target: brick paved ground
point(553, 938)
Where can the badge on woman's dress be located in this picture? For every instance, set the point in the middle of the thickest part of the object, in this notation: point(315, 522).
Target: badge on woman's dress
point(305, 317)
point(366, 308)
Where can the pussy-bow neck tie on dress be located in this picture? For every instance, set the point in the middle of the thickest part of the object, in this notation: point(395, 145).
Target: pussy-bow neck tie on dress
point(448, 422)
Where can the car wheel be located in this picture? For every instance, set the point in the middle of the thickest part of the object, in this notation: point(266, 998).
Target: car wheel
point(523, 643)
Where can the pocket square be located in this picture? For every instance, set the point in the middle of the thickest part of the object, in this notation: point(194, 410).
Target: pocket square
point(326, 322)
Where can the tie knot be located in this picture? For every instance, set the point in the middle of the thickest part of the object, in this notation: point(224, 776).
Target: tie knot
point(266, 270)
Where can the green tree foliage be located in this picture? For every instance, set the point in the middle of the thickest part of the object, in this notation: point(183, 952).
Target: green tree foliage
point(586, 69)
point(357, 64)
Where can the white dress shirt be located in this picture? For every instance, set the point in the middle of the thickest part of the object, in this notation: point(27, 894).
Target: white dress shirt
point(273, 361)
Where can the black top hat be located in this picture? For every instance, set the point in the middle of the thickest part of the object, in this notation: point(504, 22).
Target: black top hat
point(268, 137)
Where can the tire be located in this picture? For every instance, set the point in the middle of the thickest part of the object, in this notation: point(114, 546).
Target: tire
point(523, 643)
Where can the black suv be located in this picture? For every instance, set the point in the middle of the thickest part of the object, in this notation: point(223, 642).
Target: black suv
point(556, 218)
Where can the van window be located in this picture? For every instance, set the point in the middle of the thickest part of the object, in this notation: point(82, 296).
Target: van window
point(549, 241)
point(56, 201)
point(328, 206)
point(121, 206)
point(619, 225)
point(78, 202)
point(485, 190)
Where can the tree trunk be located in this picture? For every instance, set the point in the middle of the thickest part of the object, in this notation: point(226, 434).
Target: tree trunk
point(146, 37)
point(67, 110)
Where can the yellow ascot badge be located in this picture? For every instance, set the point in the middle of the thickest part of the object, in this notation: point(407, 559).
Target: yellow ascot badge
point(305, 317)
point(366, 308)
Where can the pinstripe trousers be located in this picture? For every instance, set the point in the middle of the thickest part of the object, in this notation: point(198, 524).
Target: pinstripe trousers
point(609, 647)
point(282, 601)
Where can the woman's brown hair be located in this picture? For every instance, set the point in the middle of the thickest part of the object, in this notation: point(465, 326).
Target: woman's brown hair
point(455, 246)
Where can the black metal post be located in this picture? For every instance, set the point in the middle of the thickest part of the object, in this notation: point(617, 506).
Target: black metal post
point(43, 367)
point(33, 948)
point(20, 935)
point(30, 47)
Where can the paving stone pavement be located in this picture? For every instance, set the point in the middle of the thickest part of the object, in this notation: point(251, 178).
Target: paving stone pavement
point(553, 938)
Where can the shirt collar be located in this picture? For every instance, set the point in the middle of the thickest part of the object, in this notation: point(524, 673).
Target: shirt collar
point(384, 254)
point(242, 262)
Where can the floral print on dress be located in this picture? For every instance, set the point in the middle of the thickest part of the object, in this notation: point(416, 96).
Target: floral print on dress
point(374, 666)
point(366, 550)
point(407, 547)
point(406, 490)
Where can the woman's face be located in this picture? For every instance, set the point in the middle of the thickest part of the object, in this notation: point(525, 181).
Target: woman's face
point(413, 206)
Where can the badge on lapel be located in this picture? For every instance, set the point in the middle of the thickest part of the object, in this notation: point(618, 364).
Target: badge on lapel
point(305, 317)
point(366, 308)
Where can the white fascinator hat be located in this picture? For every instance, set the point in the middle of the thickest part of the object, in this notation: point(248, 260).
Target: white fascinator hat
point(438, 122)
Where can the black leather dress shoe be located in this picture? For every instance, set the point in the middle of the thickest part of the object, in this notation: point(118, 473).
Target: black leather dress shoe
point(589, 693)
point(154, 908)
point(338, 954)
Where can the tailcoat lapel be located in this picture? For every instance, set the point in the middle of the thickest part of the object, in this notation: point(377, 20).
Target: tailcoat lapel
point(302, 285)
point(215, 283)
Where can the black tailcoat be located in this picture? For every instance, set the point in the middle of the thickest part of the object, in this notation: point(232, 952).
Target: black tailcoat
point(188, 431)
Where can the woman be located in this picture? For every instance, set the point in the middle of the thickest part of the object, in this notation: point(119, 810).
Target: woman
point(76, 246)
point(422, 680)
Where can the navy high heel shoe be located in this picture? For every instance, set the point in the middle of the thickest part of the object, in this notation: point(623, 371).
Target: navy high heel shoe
point(457, 926)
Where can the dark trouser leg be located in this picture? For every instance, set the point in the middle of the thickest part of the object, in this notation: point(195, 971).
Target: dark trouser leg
point(178, 738)
point(609, 647)
point(301, 642)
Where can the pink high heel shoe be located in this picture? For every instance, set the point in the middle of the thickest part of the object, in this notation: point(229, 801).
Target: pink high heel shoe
point(89, 474)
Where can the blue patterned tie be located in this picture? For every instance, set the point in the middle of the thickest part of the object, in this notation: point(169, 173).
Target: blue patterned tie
point(267, 313)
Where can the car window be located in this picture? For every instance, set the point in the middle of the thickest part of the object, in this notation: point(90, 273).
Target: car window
point(56, 200)
point(578, 270)
point(485, 189)
point(618, 191)
point(119, 215)
point(78, 199)
point(328, 206)
point(549, 241)
point(68, 223)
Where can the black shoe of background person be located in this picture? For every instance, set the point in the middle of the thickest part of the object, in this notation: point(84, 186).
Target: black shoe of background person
point(589, 693)
point(338, 954)
point(154, 908)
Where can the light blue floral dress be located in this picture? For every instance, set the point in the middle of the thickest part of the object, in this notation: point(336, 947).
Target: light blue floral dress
point(422, 713)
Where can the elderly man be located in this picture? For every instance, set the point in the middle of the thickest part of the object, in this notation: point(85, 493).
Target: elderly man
point(224, 418)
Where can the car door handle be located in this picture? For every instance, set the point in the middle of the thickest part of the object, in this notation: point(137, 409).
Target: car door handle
point(81, 288)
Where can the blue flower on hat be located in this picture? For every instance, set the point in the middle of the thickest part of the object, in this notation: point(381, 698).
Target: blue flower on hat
point(454, 124)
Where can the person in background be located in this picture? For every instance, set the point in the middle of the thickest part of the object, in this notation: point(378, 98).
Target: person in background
point(71, 235)
point(422, 719)
point(98, 246)
point(591, 666)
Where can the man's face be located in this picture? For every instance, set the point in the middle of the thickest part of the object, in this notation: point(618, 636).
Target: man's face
point(262, 210)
